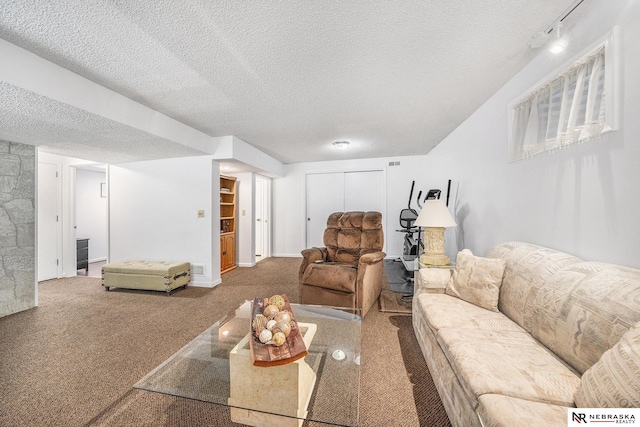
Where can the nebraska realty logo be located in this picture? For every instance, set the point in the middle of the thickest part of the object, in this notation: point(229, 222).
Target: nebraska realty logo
point(582, 416)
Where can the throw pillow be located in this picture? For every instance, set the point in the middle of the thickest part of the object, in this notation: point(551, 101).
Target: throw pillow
point(614, 380)
point(477, 280)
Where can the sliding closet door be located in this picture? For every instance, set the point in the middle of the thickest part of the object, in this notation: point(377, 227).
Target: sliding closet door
point(340, 192)
point(363, 191)
point(325, 195)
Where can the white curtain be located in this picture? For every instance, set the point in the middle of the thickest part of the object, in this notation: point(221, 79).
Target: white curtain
point(566, 111)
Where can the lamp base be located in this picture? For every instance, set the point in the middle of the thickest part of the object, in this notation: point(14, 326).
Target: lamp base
point(434, 254)
point(434, 259)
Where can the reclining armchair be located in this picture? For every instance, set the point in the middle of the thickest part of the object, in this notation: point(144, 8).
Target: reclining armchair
point(348, 271)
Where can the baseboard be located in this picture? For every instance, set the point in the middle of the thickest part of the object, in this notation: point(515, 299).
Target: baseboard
point(287, 255)
point(246, 264)
point(203, 284)
point(98, 260)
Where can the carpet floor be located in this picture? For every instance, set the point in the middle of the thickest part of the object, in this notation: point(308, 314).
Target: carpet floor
point(73, 360)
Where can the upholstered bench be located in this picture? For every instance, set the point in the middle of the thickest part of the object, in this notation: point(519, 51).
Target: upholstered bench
point(146, 275)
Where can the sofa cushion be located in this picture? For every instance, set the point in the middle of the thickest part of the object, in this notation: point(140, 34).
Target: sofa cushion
point(508, 363)
point(495, 410)
point(614, 381)
point(445, 311)
point(584, 309)
point(528, 267)
point(331, 276)
point(148, 268)
point(477, 280)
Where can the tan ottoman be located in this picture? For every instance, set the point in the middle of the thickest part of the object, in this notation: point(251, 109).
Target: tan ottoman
point(146, 275)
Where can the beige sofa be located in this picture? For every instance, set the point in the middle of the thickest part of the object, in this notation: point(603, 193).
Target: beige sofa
point(564, 333)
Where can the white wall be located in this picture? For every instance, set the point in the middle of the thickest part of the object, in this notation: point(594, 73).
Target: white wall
point(583, 200)
point(245, 201)
point(91, 212)
point(153, 213)
point(289, 198)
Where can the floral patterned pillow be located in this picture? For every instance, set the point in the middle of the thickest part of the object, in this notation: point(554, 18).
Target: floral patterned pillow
point(477, 280)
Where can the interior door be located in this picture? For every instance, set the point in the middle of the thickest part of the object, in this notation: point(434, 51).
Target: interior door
point(259, 217)
point(325, 195)
point(48, 224)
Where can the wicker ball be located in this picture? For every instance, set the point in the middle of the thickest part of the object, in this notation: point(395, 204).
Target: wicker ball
point(284, 316)
point(282, 326)
point(279, 338)
point(278, 301)
point(259, 323)
point(265, 336)
point(270, 324)
point(270, 311)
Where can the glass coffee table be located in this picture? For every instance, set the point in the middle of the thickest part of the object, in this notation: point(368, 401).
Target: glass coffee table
point(215, 367)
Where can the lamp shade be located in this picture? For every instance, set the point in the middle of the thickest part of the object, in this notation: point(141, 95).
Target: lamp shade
point(434, 213)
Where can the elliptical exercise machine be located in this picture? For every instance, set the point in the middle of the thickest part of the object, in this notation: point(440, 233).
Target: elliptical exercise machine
point(412, 246)
point(407, 218)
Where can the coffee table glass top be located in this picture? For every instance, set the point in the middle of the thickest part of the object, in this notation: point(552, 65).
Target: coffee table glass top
point(201, 369)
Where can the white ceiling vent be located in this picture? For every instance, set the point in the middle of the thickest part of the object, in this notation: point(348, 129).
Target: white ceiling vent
point(197, 269)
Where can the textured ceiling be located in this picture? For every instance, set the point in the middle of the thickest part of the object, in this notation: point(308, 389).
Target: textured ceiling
point(288, 77)
point(61, 129)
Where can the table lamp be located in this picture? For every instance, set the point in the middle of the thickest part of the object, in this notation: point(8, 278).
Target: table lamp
point(434, 217)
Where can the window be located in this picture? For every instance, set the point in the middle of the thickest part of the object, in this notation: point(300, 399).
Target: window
point(574, 106)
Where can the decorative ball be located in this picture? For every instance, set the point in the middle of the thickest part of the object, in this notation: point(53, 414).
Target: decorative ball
point(265, 336)
point(270, 324)
point(279, 338)
point(259, 323)
point(282, 326)
point(270, 311)
point(278, 301)
point(284, 316)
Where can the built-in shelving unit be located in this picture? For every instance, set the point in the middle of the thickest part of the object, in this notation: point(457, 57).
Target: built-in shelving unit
point(227, 223)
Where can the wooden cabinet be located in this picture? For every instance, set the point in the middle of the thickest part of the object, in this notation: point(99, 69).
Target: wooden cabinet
point(227, 252)
point(227, 223)
point(82, 255)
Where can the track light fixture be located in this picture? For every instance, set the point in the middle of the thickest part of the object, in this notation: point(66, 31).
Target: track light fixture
point(543, 36)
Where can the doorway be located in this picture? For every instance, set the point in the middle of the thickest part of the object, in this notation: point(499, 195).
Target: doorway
point(91, 219)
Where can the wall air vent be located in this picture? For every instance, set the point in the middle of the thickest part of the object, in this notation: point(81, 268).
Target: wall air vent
point(197, 269)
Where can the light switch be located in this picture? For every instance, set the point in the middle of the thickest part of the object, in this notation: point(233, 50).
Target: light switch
point(244, 212)
point(201, 213)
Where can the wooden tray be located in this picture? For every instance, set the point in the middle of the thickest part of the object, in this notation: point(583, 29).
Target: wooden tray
point(293, 349)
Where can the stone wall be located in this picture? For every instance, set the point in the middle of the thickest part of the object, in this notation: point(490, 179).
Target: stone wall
point(17, 227)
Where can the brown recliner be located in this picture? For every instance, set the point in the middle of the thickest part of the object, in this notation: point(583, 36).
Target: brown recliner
point(348, 271)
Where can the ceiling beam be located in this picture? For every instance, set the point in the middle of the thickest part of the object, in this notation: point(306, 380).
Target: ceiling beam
point(33, 73)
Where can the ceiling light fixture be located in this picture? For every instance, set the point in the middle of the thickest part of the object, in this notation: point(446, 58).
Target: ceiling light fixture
point(560, 44)
point(341, 145)
point(542, 37)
